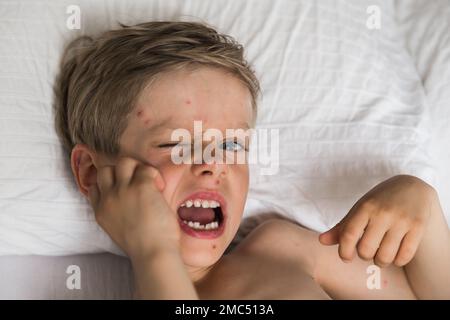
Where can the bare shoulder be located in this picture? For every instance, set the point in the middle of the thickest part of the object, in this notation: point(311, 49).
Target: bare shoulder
point(283, 240)
point(272, 246)
point(278, 233)
point(290, 244)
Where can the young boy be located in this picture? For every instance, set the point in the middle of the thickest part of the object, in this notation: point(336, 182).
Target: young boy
point(119, 99)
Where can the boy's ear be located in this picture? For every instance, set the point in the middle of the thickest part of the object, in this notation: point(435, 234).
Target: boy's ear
point(84, 163)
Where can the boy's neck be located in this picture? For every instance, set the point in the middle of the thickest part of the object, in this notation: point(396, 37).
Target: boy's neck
point(199, 274)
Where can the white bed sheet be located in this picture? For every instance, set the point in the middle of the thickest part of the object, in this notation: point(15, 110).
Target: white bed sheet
point(425, 26)
point(101, 276)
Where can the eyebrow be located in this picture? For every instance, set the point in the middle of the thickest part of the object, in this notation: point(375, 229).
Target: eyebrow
point(164, 125)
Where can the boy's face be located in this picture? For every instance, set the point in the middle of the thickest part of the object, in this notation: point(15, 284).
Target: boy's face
point(174, 101)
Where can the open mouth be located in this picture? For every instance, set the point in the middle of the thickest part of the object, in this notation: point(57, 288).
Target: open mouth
point(199, 216)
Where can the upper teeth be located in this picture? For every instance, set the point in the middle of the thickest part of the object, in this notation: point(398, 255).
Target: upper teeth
point(201, 203)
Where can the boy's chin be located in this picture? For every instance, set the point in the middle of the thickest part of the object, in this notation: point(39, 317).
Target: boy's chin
point(202, 255)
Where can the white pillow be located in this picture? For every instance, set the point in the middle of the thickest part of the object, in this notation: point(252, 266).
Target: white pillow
point(351, 107)
point(347, 101)
point(430, 20)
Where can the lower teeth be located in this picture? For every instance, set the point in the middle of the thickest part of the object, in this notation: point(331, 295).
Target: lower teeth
point(210, 226)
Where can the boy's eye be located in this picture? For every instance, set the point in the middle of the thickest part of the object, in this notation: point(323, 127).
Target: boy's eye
point(227, 145)
point(167, 145)
point(232, 146)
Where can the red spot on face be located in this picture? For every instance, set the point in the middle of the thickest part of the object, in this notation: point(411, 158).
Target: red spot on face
point(188, 101)
point(139, 113)
point(214, 246)
point(147, 121)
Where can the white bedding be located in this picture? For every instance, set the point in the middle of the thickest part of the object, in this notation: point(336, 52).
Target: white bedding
point(101, 276)
point(352, 105)
point(425, 26)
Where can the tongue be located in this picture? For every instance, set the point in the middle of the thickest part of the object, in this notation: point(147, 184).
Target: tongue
point(202, 215)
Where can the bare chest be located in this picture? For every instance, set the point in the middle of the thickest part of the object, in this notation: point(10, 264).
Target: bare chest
point(256, 278)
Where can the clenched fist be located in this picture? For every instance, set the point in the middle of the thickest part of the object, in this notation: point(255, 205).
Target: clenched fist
point(130, 207)
point(386, 225)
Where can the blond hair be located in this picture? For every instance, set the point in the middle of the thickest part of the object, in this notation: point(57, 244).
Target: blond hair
point(100, 79)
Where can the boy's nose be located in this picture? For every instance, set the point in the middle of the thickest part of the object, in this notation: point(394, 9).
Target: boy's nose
point(214, 169)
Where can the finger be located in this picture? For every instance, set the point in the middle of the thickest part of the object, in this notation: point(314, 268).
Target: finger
point(105, 178)
point(408, 246)
point(148, 174)
point(125, 167)
point(351, 232)
point(371, 239)
point(389, 246)
point(331, 237)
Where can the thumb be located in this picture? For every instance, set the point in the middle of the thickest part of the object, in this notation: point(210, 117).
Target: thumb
point(331, 237)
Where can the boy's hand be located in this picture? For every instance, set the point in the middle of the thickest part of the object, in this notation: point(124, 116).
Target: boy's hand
point(386, 224)
point(129, 206)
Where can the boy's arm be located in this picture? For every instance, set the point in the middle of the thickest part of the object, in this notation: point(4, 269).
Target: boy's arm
point(359, 279)
point(162, 276)
point(129, 205)
point(340, 280)
point(426, 276)
point(429, 270)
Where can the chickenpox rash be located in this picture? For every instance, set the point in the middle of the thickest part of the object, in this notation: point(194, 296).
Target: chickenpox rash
point(140, 114)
